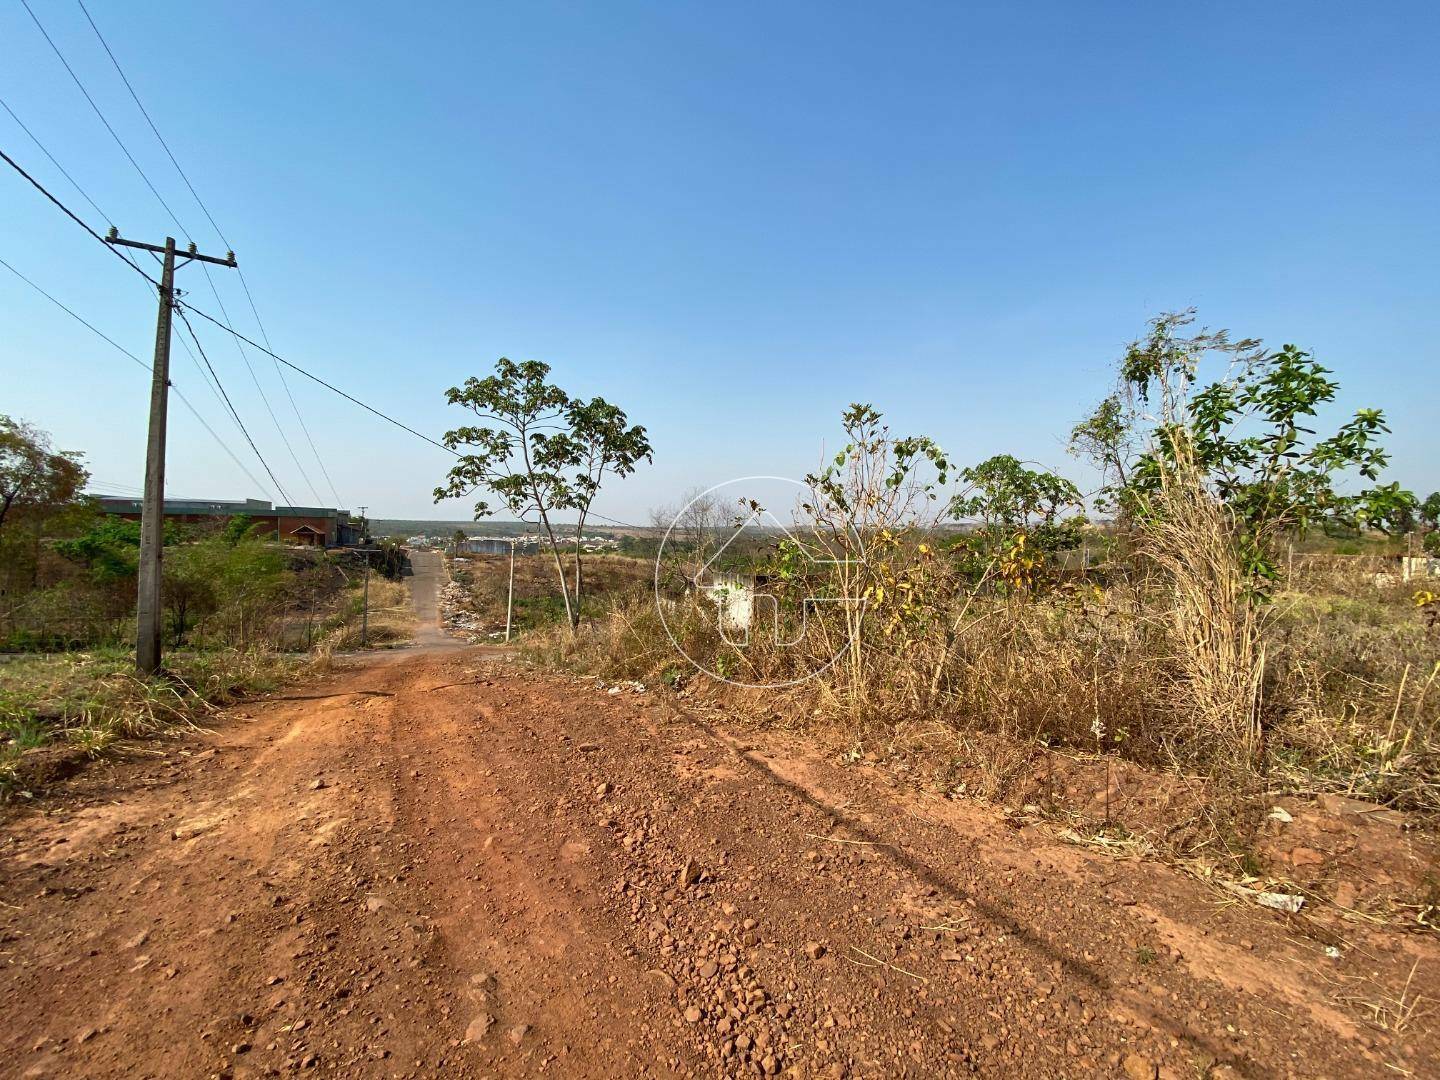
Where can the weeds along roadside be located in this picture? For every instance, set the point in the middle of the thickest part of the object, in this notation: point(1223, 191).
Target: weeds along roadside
point(1063, 709)
point(1184, 649)
point(59, 710)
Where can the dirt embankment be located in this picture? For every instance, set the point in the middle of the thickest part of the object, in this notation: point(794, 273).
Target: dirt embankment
point(436, 864)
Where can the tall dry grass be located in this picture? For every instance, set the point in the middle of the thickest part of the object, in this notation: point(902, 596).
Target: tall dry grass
point(391, 620)
point(1167, 664)
point(1210, 621)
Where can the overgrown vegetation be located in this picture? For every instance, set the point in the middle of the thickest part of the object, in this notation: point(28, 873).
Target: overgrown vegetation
point(1179, 634)
point(66, 707)
point(613, 582)
point(241, 611)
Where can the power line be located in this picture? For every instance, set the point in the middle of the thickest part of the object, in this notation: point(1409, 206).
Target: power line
point(73, 216)
point(146, 367)
point(89, 326)
point(222, 325)
point(612, 521)
point(322, 382)
point(33, 138)
point(114, 485)
point(225, 315)
point(221, 389)
point(118, 142)
point(66, 173)
point(161, 199)
point(225, 240)
point(369, 408)
point(146, 114)
point(118, 251)
point(271, 472)
point(283, 382)
point(223, 444)
point(215, 386)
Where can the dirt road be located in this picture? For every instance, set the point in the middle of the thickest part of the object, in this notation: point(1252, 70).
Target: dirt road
point(437, 864)
point(427, 575)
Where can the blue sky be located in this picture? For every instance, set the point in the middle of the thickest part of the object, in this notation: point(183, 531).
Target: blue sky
point(730, 219)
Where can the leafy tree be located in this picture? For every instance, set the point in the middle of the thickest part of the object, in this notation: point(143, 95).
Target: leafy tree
point(1009, 498)
point(875, 481)
point(600, 440)
point(189, 589)
point(1018, 510)
point(237, 528)
point(1429, 510)
point(539, 452)
point(878, 489)
point(110, 548)
point(1246, 434)
point(1401, 519)
point(34, 477)
point(391, 561)
point(1107, 438)
point(248, 580)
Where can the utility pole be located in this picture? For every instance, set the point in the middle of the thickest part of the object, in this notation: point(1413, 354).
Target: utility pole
point(152, 513)
point(365, 617)
point(510, 597)
point(365, 613)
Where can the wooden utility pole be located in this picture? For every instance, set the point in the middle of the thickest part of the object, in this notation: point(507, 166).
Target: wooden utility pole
point(365, 618)
point(149, 610)
point(365, 613)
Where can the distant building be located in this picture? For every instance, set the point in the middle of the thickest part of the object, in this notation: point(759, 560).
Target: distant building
point(311, 526)
point(530, 545)
point(500, 545)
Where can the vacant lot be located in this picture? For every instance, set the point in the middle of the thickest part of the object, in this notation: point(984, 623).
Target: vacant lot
point(609, 580)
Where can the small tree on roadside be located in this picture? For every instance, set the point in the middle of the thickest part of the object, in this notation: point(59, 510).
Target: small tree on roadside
point(1018, 506)
point(539, 452)
point(878, 489)
point(600, 440)
point(1246, 437)
point(1108, 439)
point(1429, 514)
point(695, 527)
point(40, 495)
point(189, 591)
point(109, 549)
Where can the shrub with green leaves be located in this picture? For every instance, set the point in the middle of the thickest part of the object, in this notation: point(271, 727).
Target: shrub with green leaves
point(1251, 433)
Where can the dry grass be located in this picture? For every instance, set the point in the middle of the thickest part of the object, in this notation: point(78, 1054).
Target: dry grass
point(1161, 668)
point(90, 701)
point(391, 622)
point(610, 580)
point(1212, 629)
point(1354, 688)
point(1388, 1011)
